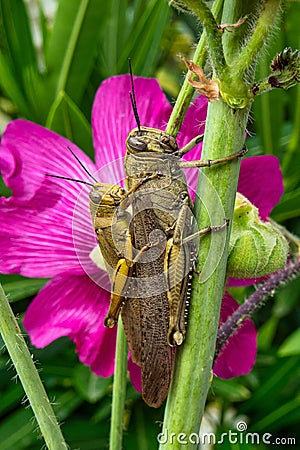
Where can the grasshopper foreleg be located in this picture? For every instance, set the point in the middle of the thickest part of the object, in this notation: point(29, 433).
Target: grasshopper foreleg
point(212, 162)
point(206, 230)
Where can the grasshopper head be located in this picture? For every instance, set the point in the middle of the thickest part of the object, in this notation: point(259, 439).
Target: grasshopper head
point(106, 194)
point(104, 200)
point(150, 140)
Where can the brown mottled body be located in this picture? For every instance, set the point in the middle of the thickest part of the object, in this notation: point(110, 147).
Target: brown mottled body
point(155, 320)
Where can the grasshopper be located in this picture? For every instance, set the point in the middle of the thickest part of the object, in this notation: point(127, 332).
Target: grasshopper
point(108, 203)
point(155, 321)
point(111, 225)
point(150, 252)
point(115, 246)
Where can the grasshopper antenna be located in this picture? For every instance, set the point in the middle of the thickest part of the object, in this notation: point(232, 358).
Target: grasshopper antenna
point(80, 163)
point(133, 98)
point(70, 179)
point(74, 179)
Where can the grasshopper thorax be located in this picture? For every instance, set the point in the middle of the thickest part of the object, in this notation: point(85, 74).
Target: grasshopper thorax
point(150, 140)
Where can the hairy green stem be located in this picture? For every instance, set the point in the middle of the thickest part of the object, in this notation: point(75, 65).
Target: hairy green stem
point(265, 24)
point(119, 389)
point(29, 377)
point(186, 92)
point(186, 400)
point(213, 33)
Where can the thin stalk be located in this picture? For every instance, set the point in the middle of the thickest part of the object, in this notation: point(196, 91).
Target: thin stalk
point(29, 377)
point(191, 381)
point(213, 34)
point(254, 302)
point(186, 92)
point(265, 25)
point(119, 390)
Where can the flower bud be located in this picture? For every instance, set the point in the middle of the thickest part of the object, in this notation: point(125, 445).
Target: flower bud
point(256, 248)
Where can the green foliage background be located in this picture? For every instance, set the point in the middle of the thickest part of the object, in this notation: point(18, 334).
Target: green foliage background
point(52, 81)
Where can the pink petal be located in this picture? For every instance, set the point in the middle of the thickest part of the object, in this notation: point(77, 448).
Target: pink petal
point(193, 125)
point(74, 306)
point(239, 354)
point(236, 282)
point(48, 234)
point(46, 225)
point(261, 182)
point(113, 118)
point(29, 151)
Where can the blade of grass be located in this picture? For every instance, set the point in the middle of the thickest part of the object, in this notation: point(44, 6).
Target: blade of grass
point(29, 376)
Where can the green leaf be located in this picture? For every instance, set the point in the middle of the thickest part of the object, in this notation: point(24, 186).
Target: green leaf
point(89, 386)
point(10, 85)
point(267, 332)
point(17, 432)
point(65, 118)
point(143, 46)
point(84, 434)
point(285, 414)
point(18, 37)
point(73, 43)
point(66, 403)
point(143, 428)
point(275, 381)
point(133, 31)
point(11, 398)
point(289, 206)
point(44, 28)
point(291, 345)
point(27, 287)
point(269, 108)
point(19, 55)
point(291, 159)
point(232, 390)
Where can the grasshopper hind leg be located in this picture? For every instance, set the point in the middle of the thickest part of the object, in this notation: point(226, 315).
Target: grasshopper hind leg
point(120, 282)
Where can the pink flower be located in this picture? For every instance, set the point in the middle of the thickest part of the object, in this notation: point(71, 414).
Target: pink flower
point(47, 231)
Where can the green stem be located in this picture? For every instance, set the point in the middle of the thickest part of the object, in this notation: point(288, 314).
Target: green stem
point(265, 24)
point(213, 34)
point(191, 381)
point(119, 390)
point(29, 377)
point(186, 92)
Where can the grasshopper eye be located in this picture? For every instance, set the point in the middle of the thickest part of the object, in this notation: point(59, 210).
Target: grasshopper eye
point(183, 195)
point(95, 196)
point(137, 144)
